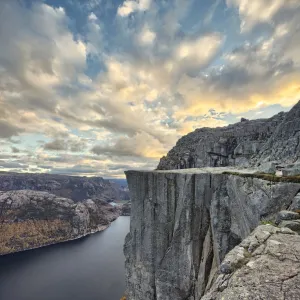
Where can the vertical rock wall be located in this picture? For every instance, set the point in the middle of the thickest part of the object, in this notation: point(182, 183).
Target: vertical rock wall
point(184, 223)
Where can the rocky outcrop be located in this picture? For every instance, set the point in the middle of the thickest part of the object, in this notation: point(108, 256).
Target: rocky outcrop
point(266, 266)
point(31, 219)
point(73, 187)
point(184, 222)
point(126, 209)
point(246, 143)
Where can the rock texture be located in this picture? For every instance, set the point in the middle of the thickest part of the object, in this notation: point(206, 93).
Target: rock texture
point(30, 219)
point(266, 266)
point(126, 209)
point(184, 222)
point(246, 143)
point(73, 187)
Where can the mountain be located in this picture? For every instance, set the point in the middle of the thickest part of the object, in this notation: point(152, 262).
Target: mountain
point(247, 143)
point(31, 219)
point(73, 187)
point(218, 220)
point(42, 209)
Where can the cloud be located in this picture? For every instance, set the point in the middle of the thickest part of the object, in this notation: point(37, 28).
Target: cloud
point(146, 36)
point(12, 165)
point(56, 145)
point(130, 6)
point(191, 56)
point(15, 150)
point(95, 97)
point(142, 144)
point(38, 58)
point(260, 11)
point(65, 145)
point(8, 130)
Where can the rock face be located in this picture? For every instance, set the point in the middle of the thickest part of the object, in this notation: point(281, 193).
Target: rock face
point(31, 219)
point(126, 209)
point(73, 187)
point(184, 222)
point(266, 265)
point(243, 144)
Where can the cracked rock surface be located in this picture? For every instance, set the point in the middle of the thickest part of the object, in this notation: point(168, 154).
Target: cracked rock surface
point(247, 143)
point(265, 266)
point(184, 222)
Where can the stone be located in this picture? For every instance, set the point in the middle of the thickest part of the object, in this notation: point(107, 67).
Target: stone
point(272, 274)
point(267, 168)
point(293, 225)
point(126, 209)
point(292, 171)
point(287, 215)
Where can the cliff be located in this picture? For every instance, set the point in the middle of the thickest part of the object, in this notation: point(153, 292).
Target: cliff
point(184, 222)
point(31, 219)
point(74, 187)
point(247, 143)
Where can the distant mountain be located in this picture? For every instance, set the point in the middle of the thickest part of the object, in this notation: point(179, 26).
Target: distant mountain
point(31, 219)
point(73, 187)
point(122, 182)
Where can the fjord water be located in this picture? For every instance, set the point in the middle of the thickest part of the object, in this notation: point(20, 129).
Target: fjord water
point(91, 268)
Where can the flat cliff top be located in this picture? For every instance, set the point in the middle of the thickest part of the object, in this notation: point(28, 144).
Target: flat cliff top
point(206, 170)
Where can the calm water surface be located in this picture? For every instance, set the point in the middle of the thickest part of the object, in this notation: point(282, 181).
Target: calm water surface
point(91, 268)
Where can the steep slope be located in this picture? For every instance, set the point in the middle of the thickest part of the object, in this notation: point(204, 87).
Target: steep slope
point(73, 187)
point(284, 144)
point(30, 219)
point(184, 222)
point(242, 144)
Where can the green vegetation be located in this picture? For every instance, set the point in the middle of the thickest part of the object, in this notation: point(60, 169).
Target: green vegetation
point(267, 222)
point(268, 177)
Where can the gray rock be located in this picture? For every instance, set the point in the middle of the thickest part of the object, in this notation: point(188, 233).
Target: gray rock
point(267, 168)
point(126, 209)
point(287, 215)
point(184, 222)
point(292, 171)
point(273, 273)
point(246, 143)
point(293, 225)
point(295, 206)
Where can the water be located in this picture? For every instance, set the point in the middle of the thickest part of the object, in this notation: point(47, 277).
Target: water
point(91, 268)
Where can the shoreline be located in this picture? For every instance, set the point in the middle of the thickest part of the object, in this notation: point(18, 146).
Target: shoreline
point(93, 231)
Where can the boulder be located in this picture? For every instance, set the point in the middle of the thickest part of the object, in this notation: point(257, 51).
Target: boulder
point(292, 171)
point(286, 215)
point(267, 168)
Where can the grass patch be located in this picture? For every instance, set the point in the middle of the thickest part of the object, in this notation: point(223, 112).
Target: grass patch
point(268, 177)
point(268, 222)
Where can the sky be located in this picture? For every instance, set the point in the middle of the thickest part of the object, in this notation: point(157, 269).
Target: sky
point(95, 87)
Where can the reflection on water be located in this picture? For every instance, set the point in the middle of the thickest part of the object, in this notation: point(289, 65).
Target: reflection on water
point(91, 268)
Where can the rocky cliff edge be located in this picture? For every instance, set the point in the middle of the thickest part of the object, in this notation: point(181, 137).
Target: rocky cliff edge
point(185, 222)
